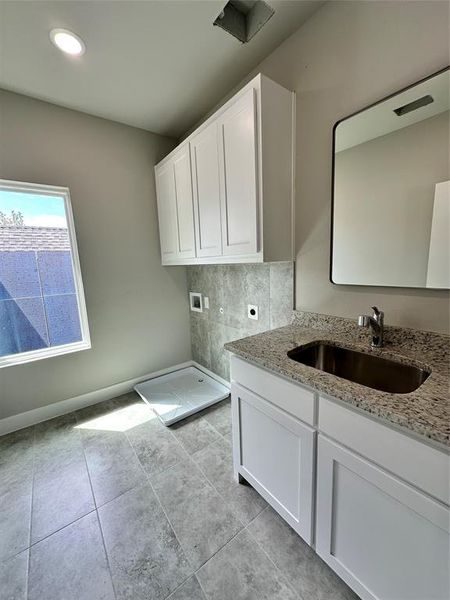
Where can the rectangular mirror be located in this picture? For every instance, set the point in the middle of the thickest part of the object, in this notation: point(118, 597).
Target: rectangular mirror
point(391, 191)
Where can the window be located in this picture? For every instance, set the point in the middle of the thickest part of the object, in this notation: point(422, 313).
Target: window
point(42, 307)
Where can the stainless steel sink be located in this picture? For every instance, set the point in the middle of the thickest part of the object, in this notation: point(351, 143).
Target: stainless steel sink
point(366, 369)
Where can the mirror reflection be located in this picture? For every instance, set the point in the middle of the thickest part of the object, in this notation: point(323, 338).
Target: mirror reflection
point(391, 197)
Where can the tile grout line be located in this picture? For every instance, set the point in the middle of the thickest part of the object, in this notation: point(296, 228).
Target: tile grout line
point(165, 514)
point(96, 510)
point(217, 491)
point(288, 583)
point(61, 528)
point(148, 480)
point(33, 450)
point(243, 526)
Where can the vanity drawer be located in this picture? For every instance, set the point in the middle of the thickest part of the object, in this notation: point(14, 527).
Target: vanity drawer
point(414, 461)
point(290, 397)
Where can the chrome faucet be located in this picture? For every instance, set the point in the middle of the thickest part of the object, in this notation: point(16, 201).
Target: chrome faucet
point(375, 323)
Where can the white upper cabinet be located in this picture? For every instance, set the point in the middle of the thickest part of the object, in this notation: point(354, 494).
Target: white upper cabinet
point(238, 161)
point(167, 212)
point(175, 209)
point(206, 183)
point(238, 184)
point(185, 209)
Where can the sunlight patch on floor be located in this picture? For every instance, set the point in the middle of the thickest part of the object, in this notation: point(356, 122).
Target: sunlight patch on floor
point(121, 419)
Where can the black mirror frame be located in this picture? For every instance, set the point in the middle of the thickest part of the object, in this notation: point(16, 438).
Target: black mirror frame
point(333, 147)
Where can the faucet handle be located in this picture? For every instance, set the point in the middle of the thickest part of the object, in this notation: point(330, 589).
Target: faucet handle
point(363, 321)
point(377, 312)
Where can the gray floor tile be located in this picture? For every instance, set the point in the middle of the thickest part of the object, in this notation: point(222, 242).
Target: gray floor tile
point(16, 446)
point(216, 463)
point(194, 433)
point(13, 577)
point(61, 495)
point(201, 520)
point(71, 564)
point(145, 557)
point(190, 590)
point(95, 411)
point(219, 416)
point(155, 446)
point(15, 516)
point(112, 463)
point(242, 571)
point(54, 431)
point(305, 571)
point(88, 413)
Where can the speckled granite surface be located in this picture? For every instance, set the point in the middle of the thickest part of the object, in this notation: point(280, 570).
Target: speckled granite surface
point(425, 412)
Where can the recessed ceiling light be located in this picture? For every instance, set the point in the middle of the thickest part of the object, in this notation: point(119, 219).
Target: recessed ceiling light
point(67, 41)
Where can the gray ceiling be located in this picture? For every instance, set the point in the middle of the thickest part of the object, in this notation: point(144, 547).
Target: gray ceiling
point(158, 65)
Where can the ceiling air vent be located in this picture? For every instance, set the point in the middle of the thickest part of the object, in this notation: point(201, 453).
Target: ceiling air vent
point(244, 18)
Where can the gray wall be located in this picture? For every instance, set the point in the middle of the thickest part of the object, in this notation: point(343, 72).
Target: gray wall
point(384, 192)
point(138, 312)
point(233, 287)
point(346, 56)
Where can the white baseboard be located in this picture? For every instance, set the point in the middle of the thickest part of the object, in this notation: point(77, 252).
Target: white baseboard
point(37, 415)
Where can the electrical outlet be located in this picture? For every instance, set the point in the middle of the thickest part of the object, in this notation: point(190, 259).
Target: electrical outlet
point(252, 312)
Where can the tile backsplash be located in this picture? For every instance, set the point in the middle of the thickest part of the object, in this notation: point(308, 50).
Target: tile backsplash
point(230, 289)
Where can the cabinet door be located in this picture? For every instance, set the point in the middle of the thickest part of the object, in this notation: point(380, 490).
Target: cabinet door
point(185, 209)
point(238, 170)
point(384, 538)
point(274, 453)
point(167, 212)
point(205, 172)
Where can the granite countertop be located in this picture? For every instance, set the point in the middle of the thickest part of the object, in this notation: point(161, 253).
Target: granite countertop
point(425, 411)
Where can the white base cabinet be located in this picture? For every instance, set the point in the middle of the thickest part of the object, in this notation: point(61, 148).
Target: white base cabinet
point(274, 453)
point(383, 537)
point(380, 497)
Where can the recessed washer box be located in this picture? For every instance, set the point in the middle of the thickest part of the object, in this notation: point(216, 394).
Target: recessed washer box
point(195, 301)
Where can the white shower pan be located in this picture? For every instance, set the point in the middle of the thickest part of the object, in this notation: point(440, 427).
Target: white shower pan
point(181, 393)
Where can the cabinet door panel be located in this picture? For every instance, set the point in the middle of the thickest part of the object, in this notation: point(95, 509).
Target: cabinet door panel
point(238, 170)
point(167, 212)
point(386, 539)
point(205, 170)
point(185, 209)
point(274, 453)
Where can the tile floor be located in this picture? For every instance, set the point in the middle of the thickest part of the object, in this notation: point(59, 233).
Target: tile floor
point(108, 503)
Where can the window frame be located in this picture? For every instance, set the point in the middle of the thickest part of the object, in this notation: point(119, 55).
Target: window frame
point(85, 342)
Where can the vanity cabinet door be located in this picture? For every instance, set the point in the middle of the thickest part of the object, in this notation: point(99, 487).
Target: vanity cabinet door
point(237, 153)
point(167, 212)
point(274, 452)
point(384, 538)
point(185, 209)
point(205, 175)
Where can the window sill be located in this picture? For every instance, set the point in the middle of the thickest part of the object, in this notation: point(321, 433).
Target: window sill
point(26, 357)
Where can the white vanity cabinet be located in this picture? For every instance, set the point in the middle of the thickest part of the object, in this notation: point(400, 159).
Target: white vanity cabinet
point(242, 182)
point(386, 538)
point(380, 497)
point(175, 206)
point(272, 448)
